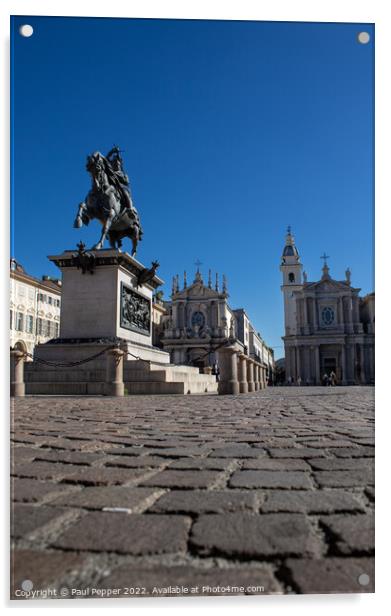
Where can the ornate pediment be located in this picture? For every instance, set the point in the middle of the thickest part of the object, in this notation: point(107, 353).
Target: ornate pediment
point(327, 286)
point(197, 289)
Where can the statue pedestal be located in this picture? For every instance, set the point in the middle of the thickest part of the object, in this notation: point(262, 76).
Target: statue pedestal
point(102, 303)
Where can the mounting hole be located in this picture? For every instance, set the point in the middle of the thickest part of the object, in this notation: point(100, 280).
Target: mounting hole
point(363, 579)
point(27, 585)
point(363, 38)
point(26, 30)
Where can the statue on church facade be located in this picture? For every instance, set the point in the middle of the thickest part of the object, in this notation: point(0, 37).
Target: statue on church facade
point(109, 201)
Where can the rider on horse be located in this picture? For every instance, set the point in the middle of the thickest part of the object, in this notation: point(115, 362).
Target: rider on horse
point(119, 179)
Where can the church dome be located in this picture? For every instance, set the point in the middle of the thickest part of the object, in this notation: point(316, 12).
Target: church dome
point(290, 251)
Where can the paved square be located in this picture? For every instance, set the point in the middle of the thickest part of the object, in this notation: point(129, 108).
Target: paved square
point(268, 492)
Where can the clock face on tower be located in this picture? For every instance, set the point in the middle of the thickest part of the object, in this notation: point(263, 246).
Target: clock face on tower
point(198, 319)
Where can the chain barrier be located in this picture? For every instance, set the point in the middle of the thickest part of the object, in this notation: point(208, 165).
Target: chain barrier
point(211, 350)
point(137, 357)
point(70, 364)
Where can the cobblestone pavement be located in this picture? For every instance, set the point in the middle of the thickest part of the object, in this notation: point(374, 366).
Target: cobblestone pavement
point(269, 492)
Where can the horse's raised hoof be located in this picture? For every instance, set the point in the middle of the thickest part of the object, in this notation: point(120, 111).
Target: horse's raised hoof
point(78, 223)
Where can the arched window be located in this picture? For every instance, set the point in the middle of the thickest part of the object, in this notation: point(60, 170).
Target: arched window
point(291, 277)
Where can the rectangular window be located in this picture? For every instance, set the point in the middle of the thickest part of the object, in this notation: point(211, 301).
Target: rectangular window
point(44, 327)
point(50, 300)
point(57, 329)
point(29, 324)
point(11, 319)
point(19, 321)
point(39, 327)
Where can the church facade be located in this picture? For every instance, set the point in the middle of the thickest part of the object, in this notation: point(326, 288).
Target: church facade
point(199, 320)
point(329, 328)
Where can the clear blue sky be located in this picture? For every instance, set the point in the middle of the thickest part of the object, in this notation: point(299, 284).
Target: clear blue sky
point(231, 131)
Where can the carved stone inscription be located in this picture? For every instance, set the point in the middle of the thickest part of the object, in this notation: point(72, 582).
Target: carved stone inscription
point(135, 311)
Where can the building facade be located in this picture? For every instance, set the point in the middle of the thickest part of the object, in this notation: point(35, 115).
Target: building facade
point(329, 328)
point(199, 320)
point(256, 347)
point(34, 308)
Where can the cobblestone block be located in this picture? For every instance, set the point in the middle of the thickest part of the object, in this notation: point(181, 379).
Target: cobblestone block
point(68, 457)
point(308, 501)
point(341, 464)
point(358, 452)
point(332, 575)
point(217, 464)
point(43, 470)
point(24, 454)
point(344, 479)
point(238, 451)
point(28, 518)
point(120, 497)
point(197, 501)
point(31, 491)
point(273, 464)
point(351, 534)
point(253, 535)
point(127, 534)
point(303, 452)
point(105, 476)
point(136, 462)
point(183, 479)
point(178, 452)
point(192, 581)
point(42, 568)
point(270, 479)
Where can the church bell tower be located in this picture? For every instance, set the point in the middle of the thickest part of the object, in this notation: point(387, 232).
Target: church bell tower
point(291, 269)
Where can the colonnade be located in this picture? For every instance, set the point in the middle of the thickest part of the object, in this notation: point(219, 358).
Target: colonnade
point(239, 374)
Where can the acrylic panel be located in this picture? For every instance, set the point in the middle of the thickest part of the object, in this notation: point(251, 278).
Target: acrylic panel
point(192, 308)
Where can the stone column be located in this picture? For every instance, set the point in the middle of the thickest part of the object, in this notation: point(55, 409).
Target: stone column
point(17, 373)
point(228, 365)
point(242, 370)
point(250, 374)
point(317, 365)
point(343, 365)
point(350, 364)
point(315, 316)
point(263, 374)
point(306, 321)
point(257, 385)
point(287, 362)
point(114, 385)
point(298, 363)
point(363, 378)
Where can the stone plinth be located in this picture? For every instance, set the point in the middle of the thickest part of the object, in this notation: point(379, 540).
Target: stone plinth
point(105, 301)
point(102, 303)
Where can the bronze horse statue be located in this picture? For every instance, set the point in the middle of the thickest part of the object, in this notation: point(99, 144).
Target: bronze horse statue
point(110, 202)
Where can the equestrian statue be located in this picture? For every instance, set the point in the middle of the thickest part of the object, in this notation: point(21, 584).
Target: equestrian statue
point(109, 201)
